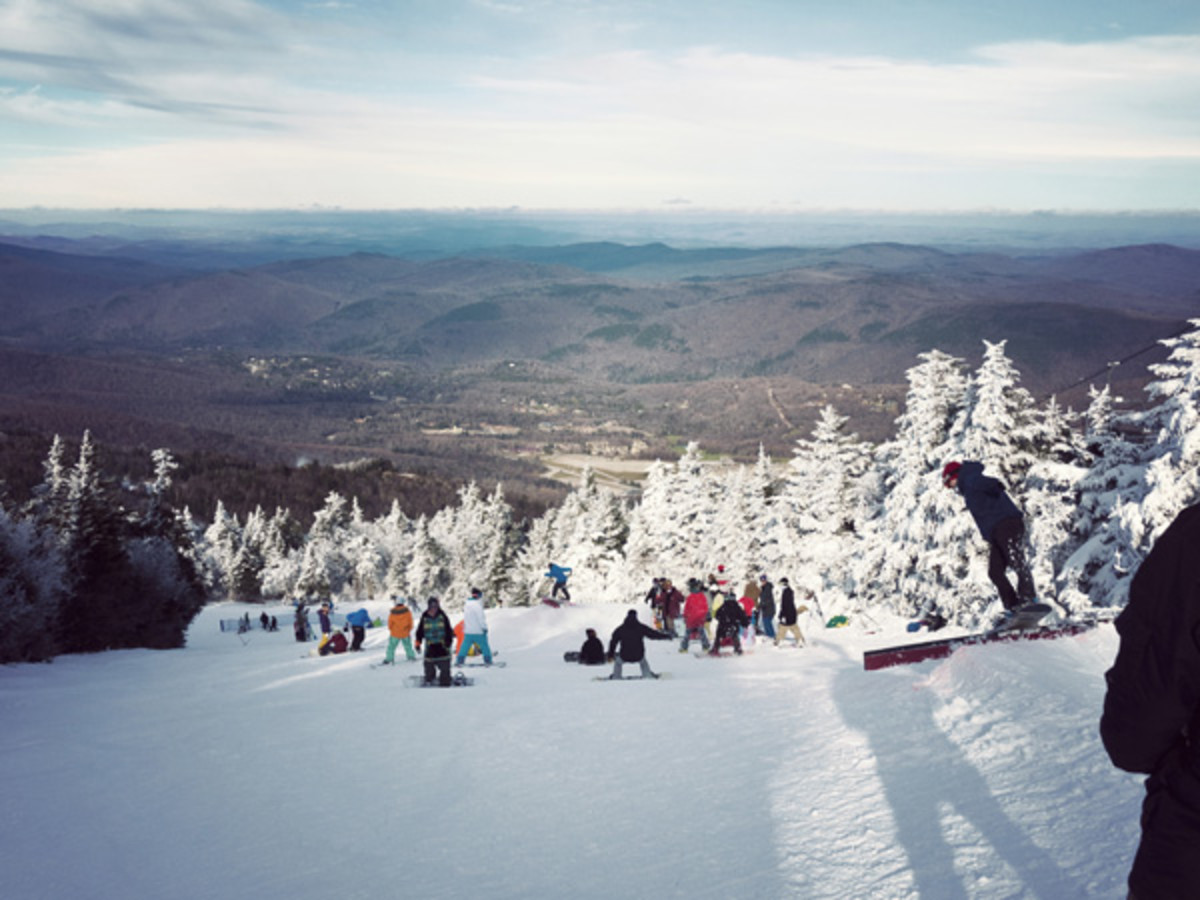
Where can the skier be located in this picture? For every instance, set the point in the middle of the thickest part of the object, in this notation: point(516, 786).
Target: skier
point(474, 629)
point(400, 626)
point(788, 615)
point(560, 575)
point(731, 619)
point(1002, 526)
point(435, 631)
point(695, 614)
point(628, 645)
point(1151, 719)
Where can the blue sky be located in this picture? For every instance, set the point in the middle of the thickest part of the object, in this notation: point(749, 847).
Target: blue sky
point(601, 104)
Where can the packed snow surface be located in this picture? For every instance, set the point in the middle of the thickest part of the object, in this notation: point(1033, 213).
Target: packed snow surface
point(238, 767)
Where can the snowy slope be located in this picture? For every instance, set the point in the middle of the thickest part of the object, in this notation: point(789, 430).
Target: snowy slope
point(236, 768)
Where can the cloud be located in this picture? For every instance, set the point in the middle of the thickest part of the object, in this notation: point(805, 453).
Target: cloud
point(242, 105)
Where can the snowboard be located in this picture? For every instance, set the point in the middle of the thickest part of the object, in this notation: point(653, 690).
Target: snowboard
point(1026, 617)
point(458, 679)
point(661, 676)
point(904, 654)
point(496, 664)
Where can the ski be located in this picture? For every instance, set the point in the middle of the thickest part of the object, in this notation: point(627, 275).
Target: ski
point(885, 657)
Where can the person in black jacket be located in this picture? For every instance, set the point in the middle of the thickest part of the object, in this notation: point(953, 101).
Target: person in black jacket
point(1151, 719)
point(731, 619)
point(1002, 526)
point(592, 651)
point(628, 644)
point(436, 632)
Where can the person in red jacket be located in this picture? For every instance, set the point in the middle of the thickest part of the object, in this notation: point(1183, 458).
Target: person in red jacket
point(672, 604)
point(695, 615)
point(1151, 719)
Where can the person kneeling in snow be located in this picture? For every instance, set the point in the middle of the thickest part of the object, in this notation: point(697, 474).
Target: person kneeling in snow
point(628, 645)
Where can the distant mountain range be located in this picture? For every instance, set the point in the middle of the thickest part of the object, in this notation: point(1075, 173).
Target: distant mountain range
point(476, 365)
point(624, 314)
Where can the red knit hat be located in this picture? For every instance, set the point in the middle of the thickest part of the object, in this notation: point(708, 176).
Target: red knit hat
point(950, 470)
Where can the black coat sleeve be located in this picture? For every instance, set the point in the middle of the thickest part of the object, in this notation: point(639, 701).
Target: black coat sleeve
point(1153, 687)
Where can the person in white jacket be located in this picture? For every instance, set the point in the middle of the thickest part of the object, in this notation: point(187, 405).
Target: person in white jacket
point(474, 629)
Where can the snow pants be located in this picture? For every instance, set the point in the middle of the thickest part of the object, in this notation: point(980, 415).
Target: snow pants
point(474, 640)
point(792, 629)
point(437, 668)
point(1007, 551)
point(646, 673)
point(694, 632)
point(390, 655)
point(560, 587)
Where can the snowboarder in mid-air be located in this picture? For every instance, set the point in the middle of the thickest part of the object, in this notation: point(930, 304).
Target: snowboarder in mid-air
point(1003, 527)
point(628, 645)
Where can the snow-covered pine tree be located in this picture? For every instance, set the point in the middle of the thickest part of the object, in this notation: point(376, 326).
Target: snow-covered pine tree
point(31, 589)
point(1096, 571)
point(909, 559)
point(428, 575)
point(1173, 474)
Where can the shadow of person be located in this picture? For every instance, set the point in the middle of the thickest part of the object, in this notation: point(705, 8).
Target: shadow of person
point(924, 774)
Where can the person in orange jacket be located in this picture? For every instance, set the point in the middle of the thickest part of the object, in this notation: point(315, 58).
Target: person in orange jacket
point(400, 626)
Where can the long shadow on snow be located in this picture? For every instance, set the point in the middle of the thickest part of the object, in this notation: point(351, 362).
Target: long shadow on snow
point(921, 772)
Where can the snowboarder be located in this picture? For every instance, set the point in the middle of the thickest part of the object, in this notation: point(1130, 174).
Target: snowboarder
point(628, 645)
point(358, 622)
point(334, 643)
point(788, 614)
point(400, 626)
point(592, 651)
point(1151, 719)
point(474, 629)
point(731, 619)
point(695, 614)
point(560, 575)
point(435, 632)
point(323, 618)
point(1002, 526)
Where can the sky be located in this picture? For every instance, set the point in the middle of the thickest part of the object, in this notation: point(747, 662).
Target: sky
point(775, 105)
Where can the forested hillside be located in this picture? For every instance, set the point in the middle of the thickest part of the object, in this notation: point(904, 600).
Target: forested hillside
point(861, 526)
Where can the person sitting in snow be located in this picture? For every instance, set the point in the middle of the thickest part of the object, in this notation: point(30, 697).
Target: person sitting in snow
point(731, 619)
point(1002, 526)
point(435, 632)
point(592, 651)
point(334, 643)
point(628, 644)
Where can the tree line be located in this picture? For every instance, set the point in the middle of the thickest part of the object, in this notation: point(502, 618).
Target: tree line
point(867, 528)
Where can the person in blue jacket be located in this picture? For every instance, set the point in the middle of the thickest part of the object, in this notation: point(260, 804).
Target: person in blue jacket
point(1002, 526)
point(559, 574)
point(359, 621)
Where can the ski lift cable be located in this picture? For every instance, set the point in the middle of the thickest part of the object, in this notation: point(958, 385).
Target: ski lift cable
point(1107, 370)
